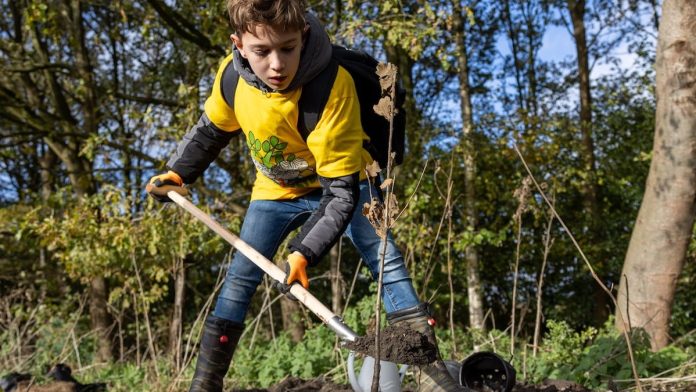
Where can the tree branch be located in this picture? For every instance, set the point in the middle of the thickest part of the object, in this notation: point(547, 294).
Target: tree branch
point(40, 67)
point(185, 29)
point(150, 100)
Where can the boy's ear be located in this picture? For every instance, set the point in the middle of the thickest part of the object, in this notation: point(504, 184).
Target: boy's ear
point(305, 33)
point(237, 41)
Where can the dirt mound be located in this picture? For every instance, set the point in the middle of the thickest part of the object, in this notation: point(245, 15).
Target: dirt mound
point(294, 384)
point(568, 386)
point(398, 344)
point(551, 386)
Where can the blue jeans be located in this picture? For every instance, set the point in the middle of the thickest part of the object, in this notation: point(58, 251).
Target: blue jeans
point(266, 225)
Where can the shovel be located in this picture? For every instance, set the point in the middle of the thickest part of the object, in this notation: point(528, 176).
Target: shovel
point(390, 381)
point(335, 323)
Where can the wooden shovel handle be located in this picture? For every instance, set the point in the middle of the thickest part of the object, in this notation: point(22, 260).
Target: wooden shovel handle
point(302, 295)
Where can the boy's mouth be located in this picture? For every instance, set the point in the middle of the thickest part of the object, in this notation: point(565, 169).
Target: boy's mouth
point(277, 80)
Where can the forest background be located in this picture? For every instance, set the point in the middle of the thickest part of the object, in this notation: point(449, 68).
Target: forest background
point(520, 112)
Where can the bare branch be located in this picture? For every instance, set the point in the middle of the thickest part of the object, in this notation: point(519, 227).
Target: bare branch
point(40, 67)
point(184, 28)
point(150, 100)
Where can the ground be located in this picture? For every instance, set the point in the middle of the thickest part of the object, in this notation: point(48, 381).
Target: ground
point(292, 384)
point(403, 345)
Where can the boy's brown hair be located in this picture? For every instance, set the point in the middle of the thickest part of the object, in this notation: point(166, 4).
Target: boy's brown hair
point(245, 15)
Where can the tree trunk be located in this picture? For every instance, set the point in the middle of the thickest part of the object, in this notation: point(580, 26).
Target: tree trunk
point(577, 9)
point(472, 268)
point(175, 326)
point(47, 161)
point(513, 32)
point(100, 319)
point(664, 226)
point(337, 14)
point(292, 319)
point(66, 117)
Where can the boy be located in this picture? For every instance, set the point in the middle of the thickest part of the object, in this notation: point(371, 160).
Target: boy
point(314, 184)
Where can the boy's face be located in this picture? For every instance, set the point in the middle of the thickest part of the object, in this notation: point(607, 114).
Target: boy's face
point(273, 53)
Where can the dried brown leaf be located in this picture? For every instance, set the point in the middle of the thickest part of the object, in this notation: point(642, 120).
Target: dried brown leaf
point(386, 183)
point(387, 75)
point(374, 211)
point(393, 208)
point(373, 169)
point(384, 107)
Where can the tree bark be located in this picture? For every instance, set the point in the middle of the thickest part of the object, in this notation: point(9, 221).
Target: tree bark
point(79, 167)
point(47, 163)
point(292, 319)
point(664, 226)
point(577, 10)
point(512, 32)
point(337, 14)
point(100, 319)
point(472, 260)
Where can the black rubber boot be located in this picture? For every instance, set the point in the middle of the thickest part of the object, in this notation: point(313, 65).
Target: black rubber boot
point(433, 377)
point(220, 338)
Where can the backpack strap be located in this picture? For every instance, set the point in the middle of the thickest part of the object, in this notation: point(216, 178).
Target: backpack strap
point(315, 94)
point(228, 84)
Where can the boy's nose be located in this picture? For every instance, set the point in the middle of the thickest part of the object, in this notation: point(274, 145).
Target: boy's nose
point(277, 63)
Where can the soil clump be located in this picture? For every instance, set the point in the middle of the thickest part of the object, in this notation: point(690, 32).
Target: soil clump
point(398, 344)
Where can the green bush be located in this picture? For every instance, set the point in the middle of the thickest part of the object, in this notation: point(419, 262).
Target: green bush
point(268, 362)
point(593, 357)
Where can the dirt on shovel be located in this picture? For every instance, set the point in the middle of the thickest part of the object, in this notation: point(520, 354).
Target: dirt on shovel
point(398, 344)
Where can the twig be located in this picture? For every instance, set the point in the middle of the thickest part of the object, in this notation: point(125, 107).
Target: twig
point(415, 191)
point(448, 204)
point(76, 348)
point(268, 304)
point(548, 243)
point(352, 286)
point(270, 309)
point(625, 331)
point(386, 107)
point(522, 195)
point(428, 268)
point(387, 201)
point(148, 326)
point(202, 314)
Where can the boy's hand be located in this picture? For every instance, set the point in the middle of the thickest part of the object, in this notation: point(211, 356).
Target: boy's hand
point(154, 185)
point(295, 270)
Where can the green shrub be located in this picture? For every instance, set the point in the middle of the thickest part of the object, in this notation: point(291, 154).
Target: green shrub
point(593, 357)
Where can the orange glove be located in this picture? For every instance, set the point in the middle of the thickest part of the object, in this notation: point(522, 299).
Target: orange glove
point(168, 178)
point(295, 270)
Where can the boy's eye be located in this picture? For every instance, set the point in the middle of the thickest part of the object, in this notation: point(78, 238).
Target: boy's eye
point(288, 49)
point(260, 52)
